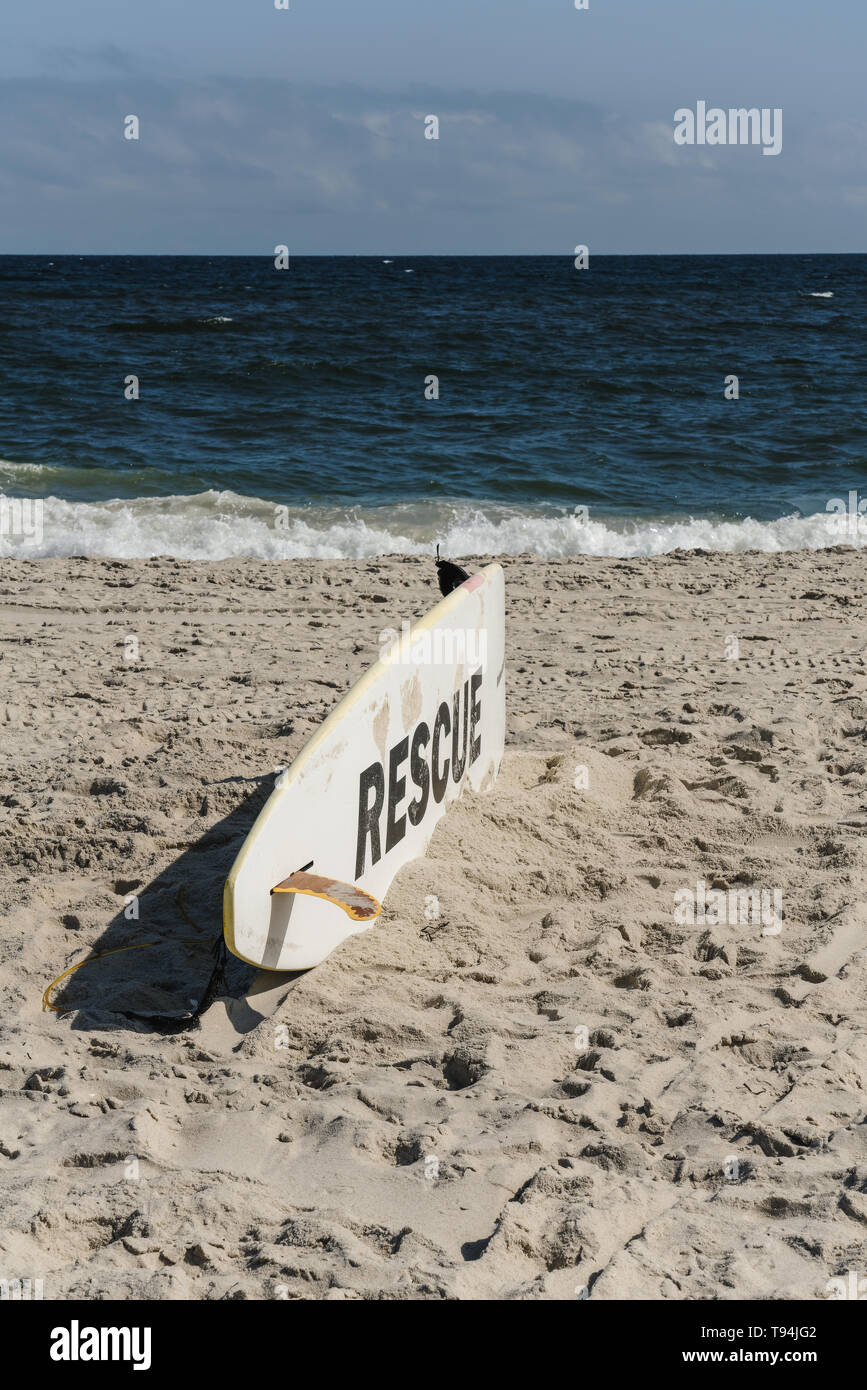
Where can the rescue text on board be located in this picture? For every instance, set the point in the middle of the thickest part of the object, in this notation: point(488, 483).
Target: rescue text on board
point(466, 711)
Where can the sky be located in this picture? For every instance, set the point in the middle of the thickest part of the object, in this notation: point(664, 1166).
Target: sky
point(305, 127)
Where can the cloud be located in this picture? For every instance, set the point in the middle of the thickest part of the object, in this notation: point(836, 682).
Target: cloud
point(241, 165)
point(88, 62)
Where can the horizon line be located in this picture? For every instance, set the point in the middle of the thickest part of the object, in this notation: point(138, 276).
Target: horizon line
point(404, 255)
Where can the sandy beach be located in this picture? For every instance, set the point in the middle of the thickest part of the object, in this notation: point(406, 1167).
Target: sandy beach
point(534, 1077)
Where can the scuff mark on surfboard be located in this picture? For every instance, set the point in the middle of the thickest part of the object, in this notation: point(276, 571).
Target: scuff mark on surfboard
point(489, 778)
point(380, 727)
point(336, 755)
point(411, 701)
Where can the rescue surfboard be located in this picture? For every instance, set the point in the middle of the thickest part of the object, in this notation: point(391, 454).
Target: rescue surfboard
point(364, 795)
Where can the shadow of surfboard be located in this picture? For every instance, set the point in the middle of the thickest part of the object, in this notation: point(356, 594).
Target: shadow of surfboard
point(163, 964)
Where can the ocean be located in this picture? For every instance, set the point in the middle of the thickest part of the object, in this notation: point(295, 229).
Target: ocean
point(354, 406)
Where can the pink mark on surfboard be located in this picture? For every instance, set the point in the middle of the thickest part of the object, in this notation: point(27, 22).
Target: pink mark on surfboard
point(473, 582)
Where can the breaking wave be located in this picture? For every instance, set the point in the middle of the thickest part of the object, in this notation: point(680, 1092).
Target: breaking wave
point(221, 525)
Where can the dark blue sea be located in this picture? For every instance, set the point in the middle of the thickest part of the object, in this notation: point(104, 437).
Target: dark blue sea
point(284, 412)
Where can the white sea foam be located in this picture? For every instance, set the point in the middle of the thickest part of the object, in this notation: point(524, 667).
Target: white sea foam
point(221, 525)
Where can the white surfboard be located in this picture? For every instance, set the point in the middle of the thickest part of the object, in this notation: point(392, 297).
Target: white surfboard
point(364, 795)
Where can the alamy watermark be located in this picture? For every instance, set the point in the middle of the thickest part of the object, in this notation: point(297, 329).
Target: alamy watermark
point(21, 1290)
point(733, 907)
point(22, 517)
point(444, 646)
point(741, 125)
point(848, 516)
point(851, 1285)
point(77, 1343)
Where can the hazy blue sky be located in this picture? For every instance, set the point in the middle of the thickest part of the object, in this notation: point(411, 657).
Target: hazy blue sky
point(305, 127)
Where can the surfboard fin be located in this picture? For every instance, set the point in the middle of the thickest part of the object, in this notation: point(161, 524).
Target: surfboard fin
point(357, 904)
point(449, 575)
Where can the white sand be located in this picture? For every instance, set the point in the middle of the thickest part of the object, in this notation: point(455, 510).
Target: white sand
point(418, 1117)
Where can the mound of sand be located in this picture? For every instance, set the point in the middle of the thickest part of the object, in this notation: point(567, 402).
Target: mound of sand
point(532, 1077)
